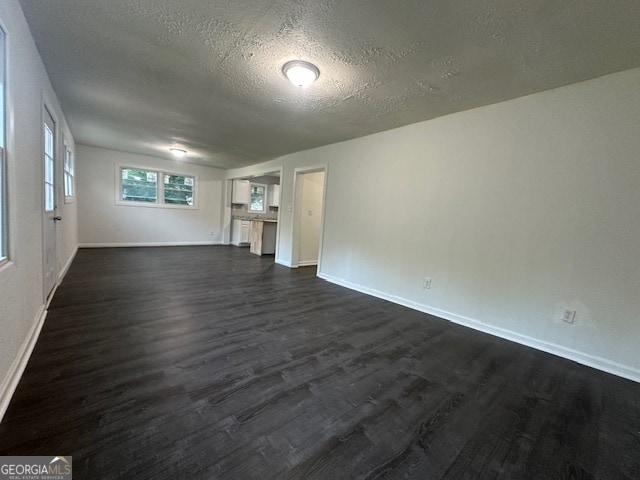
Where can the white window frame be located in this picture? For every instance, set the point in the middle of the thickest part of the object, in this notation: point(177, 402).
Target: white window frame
point(265, 202)
point(49, 172)
point(159, 203)
point(69, 174)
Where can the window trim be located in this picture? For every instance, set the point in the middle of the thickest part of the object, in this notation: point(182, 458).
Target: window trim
point(66, 149)
point(159, 203)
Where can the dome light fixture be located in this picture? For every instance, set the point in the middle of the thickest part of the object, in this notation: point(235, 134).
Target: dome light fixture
point(178, 152)
point(300, 73)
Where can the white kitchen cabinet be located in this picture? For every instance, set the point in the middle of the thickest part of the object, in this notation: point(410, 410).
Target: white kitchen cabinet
point(240, 232)
point(241, 193)
point(274, 195)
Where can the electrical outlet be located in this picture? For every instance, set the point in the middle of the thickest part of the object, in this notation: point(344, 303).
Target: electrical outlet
point(427, 283)
point(569, 316)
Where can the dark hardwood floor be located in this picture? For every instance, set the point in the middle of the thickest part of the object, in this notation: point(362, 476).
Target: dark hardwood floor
point(210, 362)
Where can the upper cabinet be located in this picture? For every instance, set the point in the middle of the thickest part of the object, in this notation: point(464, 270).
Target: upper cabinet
point(241, 192)
point(274, 195)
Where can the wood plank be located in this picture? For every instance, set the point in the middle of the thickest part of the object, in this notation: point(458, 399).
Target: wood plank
point(210, 362)
point(257, 228)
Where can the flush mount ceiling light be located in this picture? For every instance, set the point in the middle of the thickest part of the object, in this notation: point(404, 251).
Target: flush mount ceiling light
point(178, 152)
point(300, 73)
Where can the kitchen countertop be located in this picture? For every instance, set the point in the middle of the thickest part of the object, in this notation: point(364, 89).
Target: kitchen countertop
point(254, 219)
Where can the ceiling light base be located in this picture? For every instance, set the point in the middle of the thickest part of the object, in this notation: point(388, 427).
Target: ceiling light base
point(300, 73)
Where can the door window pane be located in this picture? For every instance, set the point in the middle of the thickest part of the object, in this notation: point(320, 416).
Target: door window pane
point(49, 197)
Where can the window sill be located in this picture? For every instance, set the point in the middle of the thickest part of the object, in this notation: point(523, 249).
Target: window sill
point(169, 206)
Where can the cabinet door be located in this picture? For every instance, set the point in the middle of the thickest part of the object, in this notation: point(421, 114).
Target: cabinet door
point(241, 192)
point(274, 195)
point(244, 236)
point(236, 232)
point(269, 238)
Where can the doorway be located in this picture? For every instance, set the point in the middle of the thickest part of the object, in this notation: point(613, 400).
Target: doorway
point(309, 216)
point(49, 203)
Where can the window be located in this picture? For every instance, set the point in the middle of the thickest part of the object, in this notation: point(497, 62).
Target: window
point(258, 198)
point(69, 190)
point(178, 189)
point(141, 186)
point(3, 161)
point(49, 162)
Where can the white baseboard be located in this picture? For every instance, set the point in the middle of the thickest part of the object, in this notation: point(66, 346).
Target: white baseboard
point(9, 384)
point(307, 263)
point(65, 269)
point(304, 263)
point(279, 261)
point(583, 358)
point(147, 244)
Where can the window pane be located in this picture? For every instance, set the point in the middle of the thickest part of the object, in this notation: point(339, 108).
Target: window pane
point(257, 198)
point(49, 202)
point(139, 185)
point(68, 173)
point(178, 189)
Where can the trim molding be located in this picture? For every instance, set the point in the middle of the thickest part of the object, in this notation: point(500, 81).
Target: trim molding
point(65, 269)
point(10, 382)
point(279, 261)
point(307, 263)
point(583, 358)
point(147, 244)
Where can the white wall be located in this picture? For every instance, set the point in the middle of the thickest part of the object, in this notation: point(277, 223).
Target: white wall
point(22, 308)
point(102, 222)
point(517, 211)
point(312, 185)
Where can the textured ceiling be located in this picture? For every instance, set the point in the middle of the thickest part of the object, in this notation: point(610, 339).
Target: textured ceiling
point(141, 75)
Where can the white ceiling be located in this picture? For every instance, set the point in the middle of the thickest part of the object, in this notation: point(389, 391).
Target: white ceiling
point(141, 75)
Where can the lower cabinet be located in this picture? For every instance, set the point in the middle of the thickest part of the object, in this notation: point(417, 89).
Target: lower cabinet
point(240, 232)
point(260, 235)
point(269, 238)
point(263, 238)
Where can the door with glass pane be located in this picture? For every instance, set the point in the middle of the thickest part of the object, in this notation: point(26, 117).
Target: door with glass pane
point(49, 203)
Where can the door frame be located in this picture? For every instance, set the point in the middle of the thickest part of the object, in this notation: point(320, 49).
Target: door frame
point(297, 209)
point(228, 207)
point(49, 216)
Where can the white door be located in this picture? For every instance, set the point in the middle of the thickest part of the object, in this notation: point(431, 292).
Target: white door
point(49, 196)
